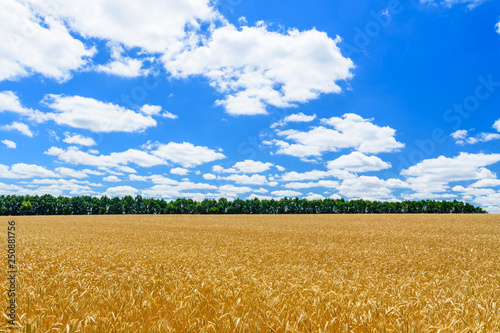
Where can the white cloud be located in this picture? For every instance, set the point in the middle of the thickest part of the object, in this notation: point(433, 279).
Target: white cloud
point(322, 183)
point(78, 139)
point(461, 136)
point(121, 191)
point(7, 189)
point(169, 188)
point(9, 144)
point(231, 191)
point(151, 110)
point(24, 171)
point(280, 168)
point(488, 182)
point(314, 196)
point(473, 191)
point(255, 67)
point(489, 202)
point(358, 162)
point(67, 172)
point(153, 25)
point(370, 188)
point(122, 65)
point(350, 131)
point(471, 4)
point(247, 166)
point(209, 176)
point(460, 168)
point(58, 187)
point(20, 127)
point(248, 180)
point(260, 197)
point(74, 156)
point(179, 171)
point(155, 110)
point(112, 179)
point(34, 43)
point(433, 175)
point(294, 118)
point(126, 67)
point(286, 193)
point(10, 102)
point(169, 115)
point(96, 116)
point(496, 125)
point(309, 175)
point(185, 154)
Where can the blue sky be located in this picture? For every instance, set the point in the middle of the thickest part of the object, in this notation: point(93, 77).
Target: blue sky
point(380, 100)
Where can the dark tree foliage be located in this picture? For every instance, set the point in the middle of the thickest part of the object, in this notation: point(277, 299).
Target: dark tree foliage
point(86, 205)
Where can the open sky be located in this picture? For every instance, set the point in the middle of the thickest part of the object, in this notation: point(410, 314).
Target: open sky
point(381, 100)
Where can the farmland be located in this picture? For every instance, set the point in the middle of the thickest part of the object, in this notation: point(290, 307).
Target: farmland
point(241, 273)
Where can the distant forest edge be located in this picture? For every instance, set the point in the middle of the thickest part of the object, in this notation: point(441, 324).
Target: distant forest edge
point(12, 205)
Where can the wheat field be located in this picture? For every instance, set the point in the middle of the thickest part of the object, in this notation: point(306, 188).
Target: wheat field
point(283, 273)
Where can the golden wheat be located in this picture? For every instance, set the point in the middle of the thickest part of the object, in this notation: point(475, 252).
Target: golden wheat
point(326, 273)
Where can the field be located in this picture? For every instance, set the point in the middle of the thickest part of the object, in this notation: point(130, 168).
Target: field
point(314, 273)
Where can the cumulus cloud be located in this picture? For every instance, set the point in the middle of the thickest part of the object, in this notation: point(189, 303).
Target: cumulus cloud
point(350, 131)
point(185, 154)
point(122, 65)
point(286, 193)
point(29, 47)
point(121, 191)
point(73, 155)
point(294, 118)
point(67, 172)
point(151, 110)
point(112, 179)
point(169, 115)
point(9, 144)
point(248, 180)
point(486, 183)
point(247, 166)
point(331, 184)
point(432, 176)
point(24, 171)
point(9, 102)
point(231, 191)
point(358, 162)
point(295, 176)
point(209, 176)
point(20, 127)
point(370, 188)
point(152, 25)
point(155, 110)
point(78, 139)
point(496, 125)
point(489, 202)
point(179, 171)
point(254, 67)
point(314, 196)
point(170, 188)
point(462, 136)
point(93, 115)
point(58, 187)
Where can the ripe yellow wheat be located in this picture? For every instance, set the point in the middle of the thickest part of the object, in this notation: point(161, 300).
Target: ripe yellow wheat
point(326, 273)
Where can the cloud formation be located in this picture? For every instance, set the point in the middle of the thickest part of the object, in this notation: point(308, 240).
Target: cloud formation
point(255, 67)
point(29, 47)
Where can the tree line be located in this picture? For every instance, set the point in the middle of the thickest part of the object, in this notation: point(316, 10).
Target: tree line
point(12, 205)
